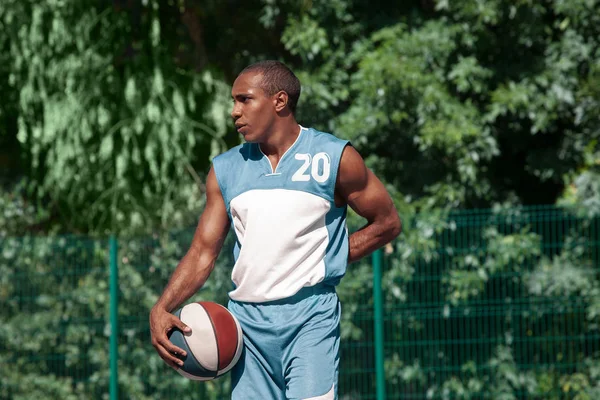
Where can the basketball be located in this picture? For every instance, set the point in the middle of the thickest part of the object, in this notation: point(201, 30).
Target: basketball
point(215, 344)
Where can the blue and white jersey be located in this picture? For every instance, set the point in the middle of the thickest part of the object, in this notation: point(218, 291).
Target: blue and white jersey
point(290, 234)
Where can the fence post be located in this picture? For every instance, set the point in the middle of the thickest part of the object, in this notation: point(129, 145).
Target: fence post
point(114, 319)
point(378, 299)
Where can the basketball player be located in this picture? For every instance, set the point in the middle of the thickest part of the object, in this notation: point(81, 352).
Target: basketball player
point(286, 192)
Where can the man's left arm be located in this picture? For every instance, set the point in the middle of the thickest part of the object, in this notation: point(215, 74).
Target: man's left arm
point(358, 187)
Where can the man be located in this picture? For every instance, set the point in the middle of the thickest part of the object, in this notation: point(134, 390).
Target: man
point(286, 192)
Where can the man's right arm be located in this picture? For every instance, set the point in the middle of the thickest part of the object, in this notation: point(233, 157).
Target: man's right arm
point(191, 273)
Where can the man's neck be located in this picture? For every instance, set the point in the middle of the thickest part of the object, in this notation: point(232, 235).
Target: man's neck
point(280, 140)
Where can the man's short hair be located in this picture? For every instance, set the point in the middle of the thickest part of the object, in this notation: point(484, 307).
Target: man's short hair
point(276, 77)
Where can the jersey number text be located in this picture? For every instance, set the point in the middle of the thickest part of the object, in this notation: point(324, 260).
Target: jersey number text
point(319, 164)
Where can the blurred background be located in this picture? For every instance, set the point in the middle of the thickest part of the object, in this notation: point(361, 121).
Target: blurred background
point(481, 117)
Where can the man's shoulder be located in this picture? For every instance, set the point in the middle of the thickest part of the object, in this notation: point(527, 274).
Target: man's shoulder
point(326, 137)
point(228, 165)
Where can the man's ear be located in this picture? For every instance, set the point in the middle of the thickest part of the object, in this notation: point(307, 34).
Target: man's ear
point(280, 99)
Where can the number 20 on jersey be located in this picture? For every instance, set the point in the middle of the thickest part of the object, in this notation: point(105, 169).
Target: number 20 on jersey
point(317, 167)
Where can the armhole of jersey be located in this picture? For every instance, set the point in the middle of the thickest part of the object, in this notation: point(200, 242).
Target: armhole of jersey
point(336, 169)
point(220, 183)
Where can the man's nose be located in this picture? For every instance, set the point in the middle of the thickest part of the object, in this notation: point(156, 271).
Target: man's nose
point(235, 113)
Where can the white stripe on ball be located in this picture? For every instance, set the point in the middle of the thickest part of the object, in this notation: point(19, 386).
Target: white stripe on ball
point(202, 341)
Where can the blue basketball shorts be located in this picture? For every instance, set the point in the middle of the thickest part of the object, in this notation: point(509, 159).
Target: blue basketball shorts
point(291, 347)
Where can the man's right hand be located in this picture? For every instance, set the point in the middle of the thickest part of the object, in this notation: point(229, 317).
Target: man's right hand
point(161, 323)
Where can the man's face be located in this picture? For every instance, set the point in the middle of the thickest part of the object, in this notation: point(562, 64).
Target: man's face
point(253, 111)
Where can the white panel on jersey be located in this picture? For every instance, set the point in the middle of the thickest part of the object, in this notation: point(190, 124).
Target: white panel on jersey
point(283, 241)
point(202, 341)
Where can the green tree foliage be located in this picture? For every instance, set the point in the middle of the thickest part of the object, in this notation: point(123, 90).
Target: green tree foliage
point(110, 118)
point(457, 104)
point(490, 101)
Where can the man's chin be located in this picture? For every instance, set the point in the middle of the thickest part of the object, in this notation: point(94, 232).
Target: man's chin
point(250, 138)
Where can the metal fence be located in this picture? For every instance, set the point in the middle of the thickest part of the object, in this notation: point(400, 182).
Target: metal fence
point(489, 304)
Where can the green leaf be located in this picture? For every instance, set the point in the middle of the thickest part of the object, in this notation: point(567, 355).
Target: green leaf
point(106, 148)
